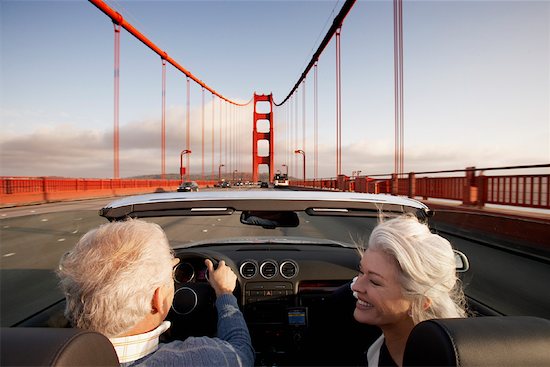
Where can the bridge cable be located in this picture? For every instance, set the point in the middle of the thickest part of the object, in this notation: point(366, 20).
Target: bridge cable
point(119, 19)
point(213, 137)
point(163, 123)
point(398, 88)
point(116, 135)
point(315, 122)
point(304, 122)
point(338, 106)
point(336, 24)
point(188, 128)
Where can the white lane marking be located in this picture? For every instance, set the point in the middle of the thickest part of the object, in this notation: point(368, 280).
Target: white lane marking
point(8, 255)
point(61, 240)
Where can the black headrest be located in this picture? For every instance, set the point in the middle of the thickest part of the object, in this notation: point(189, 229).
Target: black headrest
point(55, 347)
point(480, 341)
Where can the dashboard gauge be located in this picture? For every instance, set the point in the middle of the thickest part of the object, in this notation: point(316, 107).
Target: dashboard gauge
point(184, 272)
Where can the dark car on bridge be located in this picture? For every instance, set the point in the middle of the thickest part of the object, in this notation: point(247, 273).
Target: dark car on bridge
point(294, 254)
point(188, 186)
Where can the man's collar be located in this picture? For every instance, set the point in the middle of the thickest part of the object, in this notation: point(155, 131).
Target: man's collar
point(133, 347)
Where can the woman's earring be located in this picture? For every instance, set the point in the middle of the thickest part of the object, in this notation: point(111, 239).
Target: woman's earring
point(410, 313)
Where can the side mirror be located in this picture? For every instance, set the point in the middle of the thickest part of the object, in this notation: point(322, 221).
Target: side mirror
point(462, 263)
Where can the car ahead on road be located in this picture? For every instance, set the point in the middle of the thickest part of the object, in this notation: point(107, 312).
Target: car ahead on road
point(264, 185)
point(294, 254)
point(188, 186)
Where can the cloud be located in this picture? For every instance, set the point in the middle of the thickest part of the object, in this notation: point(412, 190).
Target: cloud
point(69, 150)
point(64, 149)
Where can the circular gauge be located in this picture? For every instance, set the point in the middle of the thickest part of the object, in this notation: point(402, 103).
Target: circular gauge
point(185, 301)
point(183, 272)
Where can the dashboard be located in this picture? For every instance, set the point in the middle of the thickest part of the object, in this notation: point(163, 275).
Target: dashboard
point(295, 299)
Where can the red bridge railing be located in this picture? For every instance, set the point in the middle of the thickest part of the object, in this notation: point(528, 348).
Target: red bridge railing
point(473, 187)
point(24, 190)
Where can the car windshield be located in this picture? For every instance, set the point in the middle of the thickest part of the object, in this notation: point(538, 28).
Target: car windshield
point(29, 284)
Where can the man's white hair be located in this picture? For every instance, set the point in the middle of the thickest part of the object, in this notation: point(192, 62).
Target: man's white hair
point(110, 276)
point(426, 265)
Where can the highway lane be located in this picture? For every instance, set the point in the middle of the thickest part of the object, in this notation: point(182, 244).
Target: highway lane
point(34, 238)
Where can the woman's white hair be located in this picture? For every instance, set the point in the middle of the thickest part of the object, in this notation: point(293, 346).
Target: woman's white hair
point(110, 276)
point(426, 264)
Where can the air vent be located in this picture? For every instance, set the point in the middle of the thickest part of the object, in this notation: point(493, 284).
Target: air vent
point(289, 269)
point(248, 269)
point(268, 269)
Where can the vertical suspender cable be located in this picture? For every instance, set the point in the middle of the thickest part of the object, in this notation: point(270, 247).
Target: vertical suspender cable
point(399, 155)
point(163, 128)
point(315, 122)
point(402, 88)
point(212, 140)
point(338, 107)
point(296, 98)
point(202, 123)
point(188, 128)
point(304, 119)
point(116, 137)
point(395, 92)
point(220, 142)
point(227, 138)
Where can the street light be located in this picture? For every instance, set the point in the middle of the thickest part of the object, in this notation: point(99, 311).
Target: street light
point(182, 170)
point(235, 171)
point(300, 151)
point(220, 172)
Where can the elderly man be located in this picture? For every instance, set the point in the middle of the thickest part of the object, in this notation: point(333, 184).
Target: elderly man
point(118, 281)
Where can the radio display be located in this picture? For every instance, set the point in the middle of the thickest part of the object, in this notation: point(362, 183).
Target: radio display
point(297, 316)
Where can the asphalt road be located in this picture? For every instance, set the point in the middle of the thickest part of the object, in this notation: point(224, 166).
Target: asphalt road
point(34, 238)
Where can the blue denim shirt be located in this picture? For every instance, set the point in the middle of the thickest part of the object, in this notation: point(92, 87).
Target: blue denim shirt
point(232, 346)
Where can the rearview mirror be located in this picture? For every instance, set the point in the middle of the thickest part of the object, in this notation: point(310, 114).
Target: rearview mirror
point(270, 220)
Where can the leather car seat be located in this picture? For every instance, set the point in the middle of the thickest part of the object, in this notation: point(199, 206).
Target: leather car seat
point(480, 341)
point(23, 346)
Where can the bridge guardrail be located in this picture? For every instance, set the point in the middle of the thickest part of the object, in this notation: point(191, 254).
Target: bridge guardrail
point(25, 190)
point(474, 188)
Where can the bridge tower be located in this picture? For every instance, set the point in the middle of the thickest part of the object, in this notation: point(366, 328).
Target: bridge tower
point(258, 136)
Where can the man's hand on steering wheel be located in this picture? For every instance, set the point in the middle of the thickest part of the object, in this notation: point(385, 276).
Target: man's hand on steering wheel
point(222, 279)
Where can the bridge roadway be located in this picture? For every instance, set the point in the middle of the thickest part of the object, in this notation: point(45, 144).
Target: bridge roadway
point(35, 237)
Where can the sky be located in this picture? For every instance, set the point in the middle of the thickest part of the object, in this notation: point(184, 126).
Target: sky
point(476, 85)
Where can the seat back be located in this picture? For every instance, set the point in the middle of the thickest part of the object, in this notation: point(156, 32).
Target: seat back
point(55, 347)
point(480, 341)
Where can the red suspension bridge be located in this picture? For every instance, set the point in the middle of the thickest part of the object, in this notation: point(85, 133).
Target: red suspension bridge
point(275, 133)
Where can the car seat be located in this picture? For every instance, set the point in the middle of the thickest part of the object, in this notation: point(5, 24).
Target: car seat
point(480, 341)
point(22, 346)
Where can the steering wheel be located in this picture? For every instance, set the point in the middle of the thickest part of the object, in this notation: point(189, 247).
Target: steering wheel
point(193, 310)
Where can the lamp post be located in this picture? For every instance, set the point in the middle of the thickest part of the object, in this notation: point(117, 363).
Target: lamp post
point(234, 174)
point(220, 172)
point(182, 170)
point(300, 151)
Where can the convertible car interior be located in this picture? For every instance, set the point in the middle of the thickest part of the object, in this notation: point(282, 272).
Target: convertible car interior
point(293, 287)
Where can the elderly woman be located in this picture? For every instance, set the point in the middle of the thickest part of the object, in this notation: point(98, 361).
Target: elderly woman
point(406, 275)
point(118, 281)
